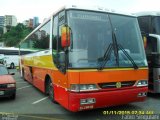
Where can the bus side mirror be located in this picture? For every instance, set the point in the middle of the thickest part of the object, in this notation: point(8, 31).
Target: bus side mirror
point(66, 36)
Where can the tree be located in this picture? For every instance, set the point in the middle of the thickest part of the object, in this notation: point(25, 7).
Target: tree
point(15, 35)
point(1, 31)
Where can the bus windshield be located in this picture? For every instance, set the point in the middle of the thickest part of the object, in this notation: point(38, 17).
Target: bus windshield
point(92, 35)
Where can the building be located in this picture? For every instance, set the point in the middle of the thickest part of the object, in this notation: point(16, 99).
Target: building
point(35, 22)
point(1, 24)
point(26, 23)
point(9, 21)
point(30, 23)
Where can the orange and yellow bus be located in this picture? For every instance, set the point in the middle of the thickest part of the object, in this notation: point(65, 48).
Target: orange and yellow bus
point(87, 58)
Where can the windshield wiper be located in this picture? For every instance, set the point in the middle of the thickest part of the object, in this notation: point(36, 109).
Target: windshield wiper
point(107, 54)
point(128, 56)
point(115, 47)
point(105, 58)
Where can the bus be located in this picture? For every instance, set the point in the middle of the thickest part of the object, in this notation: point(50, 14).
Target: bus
point(87, 57)
point(9, 56)
point(149, 23)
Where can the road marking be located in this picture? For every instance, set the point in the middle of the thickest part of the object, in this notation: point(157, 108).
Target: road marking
point(21, 82)
point(23, 87)
point(39, 100)
point(28, 116)
point(40, 118)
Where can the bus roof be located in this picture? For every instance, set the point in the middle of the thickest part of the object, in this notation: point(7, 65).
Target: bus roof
point(96, 8)
point(8, 48)
point(148, 13)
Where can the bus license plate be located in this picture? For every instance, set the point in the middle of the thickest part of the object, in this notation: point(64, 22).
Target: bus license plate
point(1, 92)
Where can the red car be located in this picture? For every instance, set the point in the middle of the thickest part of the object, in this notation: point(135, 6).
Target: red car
point(7, 83)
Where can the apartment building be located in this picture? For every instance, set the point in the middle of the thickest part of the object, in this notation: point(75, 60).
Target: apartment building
point(9, 20)
point(1, 24)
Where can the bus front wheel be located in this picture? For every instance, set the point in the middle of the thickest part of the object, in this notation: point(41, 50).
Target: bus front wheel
point(51, 90)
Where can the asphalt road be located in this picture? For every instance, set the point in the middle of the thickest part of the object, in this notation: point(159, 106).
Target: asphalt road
point(31, 104)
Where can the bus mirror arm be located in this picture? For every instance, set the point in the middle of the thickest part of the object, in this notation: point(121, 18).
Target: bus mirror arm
point(61, 57)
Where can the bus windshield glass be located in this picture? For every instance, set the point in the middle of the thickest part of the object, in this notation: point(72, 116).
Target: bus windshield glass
point(92, 35)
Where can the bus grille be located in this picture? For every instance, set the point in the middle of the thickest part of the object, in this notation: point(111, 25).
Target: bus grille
point(3, 86)
point(113, 84)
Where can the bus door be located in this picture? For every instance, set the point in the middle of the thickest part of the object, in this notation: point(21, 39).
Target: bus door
point(153, 58)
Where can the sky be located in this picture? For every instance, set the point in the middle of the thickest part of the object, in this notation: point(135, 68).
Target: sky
point(25, 9)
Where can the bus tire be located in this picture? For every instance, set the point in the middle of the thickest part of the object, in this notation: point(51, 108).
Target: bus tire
point(50, 91)
point(12, 66)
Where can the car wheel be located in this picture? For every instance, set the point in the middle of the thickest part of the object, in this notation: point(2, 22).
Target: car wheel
point(13, 96)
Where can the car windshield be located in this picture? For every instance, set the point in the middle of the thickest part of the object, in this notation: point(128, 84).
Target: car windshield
point(92, 35)
point(3, 70)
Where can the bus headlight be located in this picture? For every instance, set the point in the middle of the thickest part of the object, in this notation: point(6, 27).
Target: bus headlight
point(83, 87)
point(142, 83)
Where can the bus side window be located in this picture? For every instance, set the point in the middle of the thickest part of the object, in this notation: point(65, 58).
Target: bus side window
point(144, 23)
point(151, 45)
point(55, 34)
point(55, 40)
point(39, 40)
point(41, 36)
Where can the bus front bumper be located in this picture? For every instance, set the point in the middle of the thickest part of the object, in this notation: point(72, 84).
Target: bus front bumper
point(106, 98)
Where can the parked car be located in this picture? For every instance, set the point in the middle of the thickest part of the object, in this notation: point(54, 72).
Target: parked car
point(7, 83)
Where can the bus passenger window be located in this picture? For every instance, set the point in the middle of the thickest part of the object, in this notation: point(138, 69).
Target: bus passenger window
point(55, 33)
point(151, 45)
point(41, 40)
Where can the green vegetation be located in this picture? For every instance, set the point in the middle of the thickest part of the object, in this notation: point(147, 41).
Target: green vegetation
point(15, 35)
